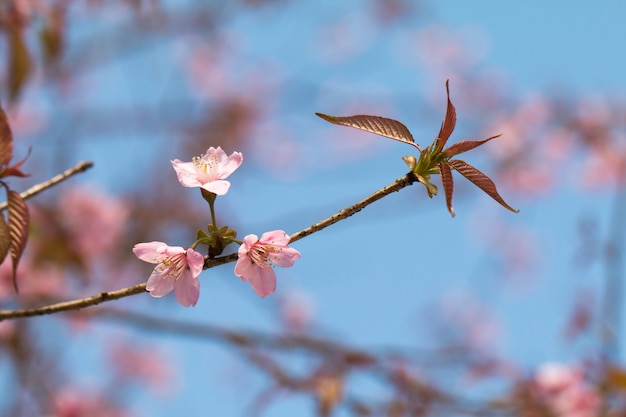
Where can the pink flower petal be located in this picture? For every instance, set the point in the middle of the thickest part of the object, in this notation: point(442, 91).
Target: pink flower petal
point(245, 268)
point(209, 170)
point(286, 257)
point(258, 257)
point(159, 285)
point(229, 165)
point(148, 252)
point(177, 269)
point(187, 289)
point(248, 242)
point(263, 281)
point(219, 187)
point(195, 261)
point(186, 173)
point(276, 237)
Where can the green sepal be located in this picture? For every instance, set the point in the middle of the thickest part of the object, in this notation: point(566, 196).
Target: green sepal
point(208, 196)
point(431, 188)
point(217, 239)
point(203, 237)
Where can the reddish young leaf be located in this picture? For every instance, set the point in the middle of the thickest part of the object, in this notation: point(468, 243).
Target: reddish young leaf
point(382, 126)
point(464, 146)
point(448, 184)
point(18, 228)
point(15, 170)
point(480, 180)
point(447, 127)
point(5, 239)
point(6, 141)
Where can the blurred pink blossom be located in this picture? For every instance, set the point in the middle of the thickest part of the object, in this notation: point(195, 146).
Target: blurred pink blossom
point(530, 179)
point(74, 403)
point(517, 250)
point(519, 127)
point(177, 269)
point(93, 219)
point(209, 170)
point(440, 49)
point(555, 377)
point(258, 256)
point(342, 40)
point(566, 392)
point(131, 363)
point(27, 120)
point(296, 310)
point(36, 284)
point(206, 78)
point(531, 151)
point(466, 321)
point(43, 284)
point(26, 8)
point(7, 331)
point(603, 166)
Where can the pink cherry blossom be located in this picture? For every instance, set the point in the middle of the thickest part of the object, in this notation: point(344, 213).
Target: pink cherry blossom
point(129, 363)
point(72, 402)
point(566, 391)
point(209, 170)
point(92, 219)
point(297, 310)
point(177, 269)
point(258, 256)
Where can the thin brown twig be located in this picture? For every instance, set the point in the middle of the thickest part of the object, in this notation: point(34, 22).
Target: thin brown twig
point(73, 304)
point(242, 338)
point(36, 189)
point(397, 185)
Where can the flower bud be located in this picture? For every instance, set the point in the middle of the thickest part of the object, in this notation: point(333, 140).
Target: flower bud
point(410, 161)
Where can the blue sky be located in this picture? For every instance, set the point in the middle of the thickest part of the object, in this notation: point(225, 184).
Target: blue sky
point(559, 44)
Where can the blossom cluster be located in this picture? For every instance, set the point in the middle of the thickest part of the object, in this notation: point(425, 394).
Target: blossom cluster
point(178, 268)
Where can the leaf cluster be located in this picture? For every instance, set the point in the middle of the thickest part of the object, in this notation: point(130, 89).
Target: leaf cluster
point(433, 159)
point(13, 229)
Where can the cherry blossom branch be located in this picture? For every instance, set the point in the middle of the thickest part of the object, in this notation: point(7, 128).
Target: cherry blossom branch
point(73, 304)
point(397, 185)
point(342, 214)
point(36, 189)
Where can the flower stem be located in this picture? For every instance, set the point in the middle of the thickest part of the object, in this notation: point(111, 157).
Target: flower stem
point(210, 198)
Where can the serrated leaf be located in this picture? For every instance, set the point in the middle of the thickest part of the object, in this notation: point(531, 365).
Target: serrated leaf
point(5, 239)
point(382, 126)
point(19, 218)
point(480, 180)
point(448, 184)
point(449, 122)
point(464, 146)
point(6, 141)
point(19, 63)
